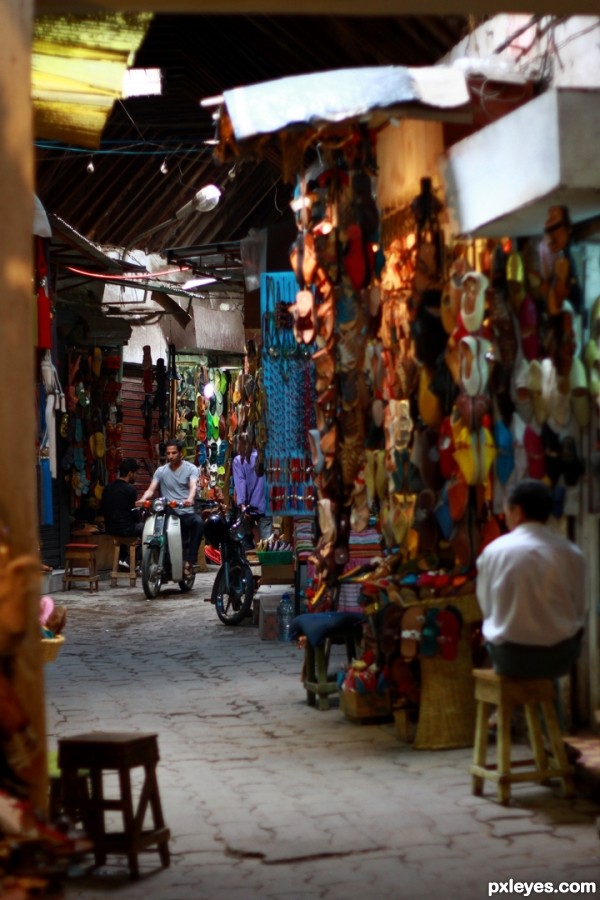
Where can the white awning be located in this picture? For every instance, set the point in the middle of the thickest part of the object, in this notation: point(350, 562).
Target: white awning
point(501, 180)
point(373, 93)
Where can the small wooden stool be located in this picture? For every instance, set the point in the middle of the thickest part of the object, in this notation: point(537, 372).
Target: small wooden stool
point(80, 556)
point(506, 694)
point(316, 660)
point(132, 542)
point(98, 752)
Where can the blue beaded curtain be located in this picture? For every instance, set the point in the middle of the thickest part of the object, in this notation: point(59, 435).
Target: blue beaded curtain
point(288, 377)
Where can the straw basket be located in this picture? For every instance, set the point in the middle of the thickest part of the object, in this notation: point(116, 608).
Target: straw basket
point(51, 647)
point(447, 707)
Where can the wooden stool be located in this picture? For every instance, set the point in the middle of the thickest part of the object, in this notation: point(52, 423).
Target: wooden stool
point(80, 556)
point(316, 659)
point(98, 752)
point(506, 694)
point(132, 542)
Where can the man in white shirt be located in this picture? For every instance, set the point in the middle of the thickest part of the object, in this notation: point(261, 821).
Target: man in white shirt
point(531, 590)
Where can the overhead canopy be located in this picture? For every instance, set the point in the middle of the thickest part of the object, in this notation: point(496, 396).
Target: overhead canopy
point(78, 66)
point(95, 284)
point(319, 100)
point(502, 179)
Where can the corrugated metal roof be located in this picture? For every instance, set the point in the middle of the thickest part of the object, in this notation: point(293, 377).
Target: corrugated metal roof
point(127, 195)
point(78, 65)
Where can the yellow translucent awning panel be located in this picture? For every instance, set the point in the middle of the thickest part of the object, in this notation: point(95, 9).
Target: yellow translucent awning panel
point(78, 65)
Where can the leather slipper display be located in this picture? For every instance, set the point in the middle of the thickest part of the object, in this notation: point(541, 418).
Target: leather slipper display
point(472, 301)
point(430, 633)
point(449, 622)
point(390, 629)
point(413, 620)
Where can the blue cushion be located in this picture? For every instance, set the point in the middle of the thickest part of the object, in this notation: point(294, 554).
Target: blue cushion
point(319, 626)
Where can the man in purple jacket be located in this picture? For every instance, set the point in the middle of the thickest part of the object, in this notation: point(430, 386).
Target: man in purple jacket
point(249, 492)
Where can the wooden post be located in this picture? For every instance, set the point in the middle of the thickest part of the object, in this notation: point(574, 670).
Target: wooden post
point(18, 458)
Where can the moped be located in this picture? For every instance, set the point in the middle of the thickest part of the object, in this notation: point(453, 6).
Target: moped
point(162, 547)
point(233, 588)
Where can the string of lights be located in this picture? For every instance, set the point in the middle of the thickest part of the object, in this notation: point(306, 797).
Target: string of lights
point(128, 148)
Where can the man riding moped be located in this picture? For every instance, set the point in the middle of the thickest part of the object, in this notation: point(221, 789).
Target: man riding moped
point(177, 481)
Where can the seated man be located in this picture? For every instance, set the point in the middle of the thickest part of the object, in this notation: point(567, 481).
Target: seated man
point(531, 590)
point(121, 519)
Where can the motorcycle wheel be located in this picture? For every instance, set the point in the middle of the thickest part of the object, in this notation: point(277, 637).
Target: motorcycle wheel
point(236, 605)
point(151, 576)
point(187, 584)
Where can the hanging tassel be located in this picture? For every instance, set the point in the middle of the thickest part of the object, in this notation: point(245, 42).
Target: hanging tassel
point(46, 512)
point(44, 306)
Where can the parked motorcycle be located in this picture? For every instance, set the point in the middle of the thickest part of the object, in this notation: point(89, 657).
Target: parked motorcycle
point(233, 588)
point(162, 547)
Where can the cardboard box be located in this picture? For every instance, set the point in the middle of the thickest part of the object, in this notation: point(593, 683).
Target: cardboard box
point(267, 618)
point(361, 707)
point(280, 574)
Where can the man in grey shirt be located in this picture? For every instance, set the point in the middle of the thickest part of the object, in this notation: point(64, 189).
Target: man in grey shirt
point(178, 480)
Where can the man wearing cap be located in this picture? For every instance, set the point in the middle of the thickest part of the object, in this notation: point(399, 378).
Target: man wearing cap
point(121, 519)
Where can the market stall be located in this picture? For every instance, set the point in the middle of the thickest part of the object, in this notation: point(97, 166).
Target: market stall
point(444, 369)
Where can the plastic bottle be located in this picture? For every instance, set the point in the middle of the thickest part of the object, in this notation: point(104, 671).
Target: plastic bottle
point(285, 614)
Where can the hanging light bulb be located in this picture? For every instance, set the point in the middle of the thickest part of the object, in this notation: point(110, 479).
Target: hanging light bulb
point(90, 166)
point(205, 200)
point(164, 168)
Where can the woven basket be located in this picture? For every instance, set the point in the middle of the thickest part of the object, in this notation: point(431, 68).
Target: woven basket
point(447, 707)
point(51, 647)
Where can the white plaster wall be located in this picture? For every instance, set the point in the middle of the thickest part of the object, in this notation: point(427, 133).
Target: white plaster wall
point(568, 54)
point(209, 329)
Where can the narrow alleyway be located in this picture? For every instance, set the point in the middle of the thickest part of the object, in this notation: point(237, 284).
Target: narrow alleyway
point(268, 798)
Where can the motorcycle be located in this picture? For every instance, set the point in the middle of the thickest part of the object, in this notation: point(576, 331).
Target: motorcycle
point(233, 588)
point(162, 548)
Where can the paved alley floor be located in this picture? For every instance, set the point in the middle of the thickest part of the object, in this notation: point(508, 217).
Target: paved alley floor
point(269, 798)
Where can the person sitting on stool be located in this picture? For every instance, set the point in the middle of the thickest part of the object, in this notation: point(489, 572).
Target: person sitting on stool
point(531, 590)
point(121, 519)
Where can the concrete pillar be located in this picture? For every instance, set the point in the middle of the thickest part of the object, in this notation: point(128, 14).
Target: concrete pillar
point(18, 503)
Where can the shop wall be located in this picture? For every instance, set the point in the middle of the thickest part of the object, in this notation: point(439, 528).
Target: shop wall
point(208, 330)
point(406, 152)
point(133, 442)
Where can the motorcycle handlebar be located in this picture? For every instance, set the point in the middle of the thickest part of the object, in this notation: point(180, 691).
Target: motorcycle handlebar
point(173, 504)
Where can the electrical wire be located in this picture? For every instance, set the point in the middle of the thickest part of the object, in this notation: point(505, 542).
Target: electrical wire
point(125, 276)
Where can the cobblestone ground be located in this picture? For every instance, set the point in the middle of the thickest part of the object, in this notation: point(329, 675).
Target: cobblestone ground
point(269, 798)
